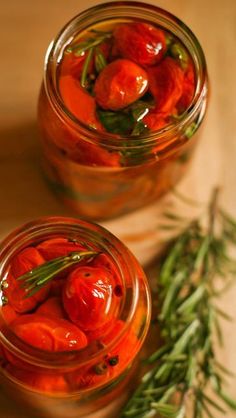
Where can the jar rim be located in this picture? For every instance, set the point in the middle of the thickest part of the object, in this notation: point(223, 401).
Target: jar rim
point(30, 231)
point(112, 11)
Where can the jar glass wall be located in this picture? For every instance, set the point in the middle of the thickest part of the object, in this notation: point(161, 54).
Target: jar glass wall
point(36, 368)
point(101, 175)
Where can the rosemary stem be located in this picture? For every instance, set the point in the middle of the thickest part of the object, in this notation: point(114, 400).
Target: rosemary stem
point(40, 276)
point(186, 365)
point(213, 207)
point(87, 61)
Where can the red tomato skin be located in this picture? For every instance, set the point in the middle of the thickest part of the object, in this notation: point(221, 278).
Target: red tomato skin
point(9, 314)
point(91, 154)
point(23, 262)
point(123, 353)
point(166, 85)
point(119, 84)
point(72, 64)
point(100, 332)
point(188, 89)
point(140, 42)
point(44, 382)
point(155, 120)
point(49, 334)
point(88, 297)
point(70, 142)
point(83, 106)
point(58, 247)
point(104, 261)
point(52, 307)
point(79, 102)
point(57, 286)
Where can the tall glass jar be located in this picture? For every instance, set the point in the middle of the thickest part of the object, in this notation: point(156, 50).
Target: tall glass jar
point(79, 382)
point(98, 188)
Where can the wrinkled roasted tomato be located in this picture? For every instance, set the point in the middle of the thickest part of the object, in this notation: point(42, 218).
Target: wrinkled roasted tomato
point(135, 65)
point(68, 313)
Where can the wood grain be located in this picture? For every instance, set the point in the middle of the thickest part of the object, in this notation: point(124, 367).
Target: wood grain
point(26, 29)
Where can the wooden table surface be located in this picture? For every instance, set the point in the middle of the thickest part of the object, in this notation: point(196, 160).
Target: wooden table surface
point(26, 29)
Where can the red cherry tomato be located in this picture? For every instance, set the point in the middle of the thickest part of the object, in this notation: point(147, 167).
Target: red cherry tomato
point(155, 120)
point(79, 102)
point(94, 155)
point(23, 262)
point(72, 65)
point(52, 307)
point(124, 352)
point(105, 48)
point(83, 106)
point(58, 247)
point(112, 364)
point(57, 286)
point(44, 382)
point(9, 314)
point(88, 297)
point(99, 333)
point(140, 42)
point(50, 334)
point(127, 345)
point(119, 84)
point(166, 84)
point(104, 261)
point(188, 89)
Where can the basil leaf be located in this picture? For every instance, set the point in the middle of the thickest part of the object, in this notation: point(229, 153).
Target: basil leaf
point(134, 156)
point(116, 122)
point(139, 129)
point(140, 108)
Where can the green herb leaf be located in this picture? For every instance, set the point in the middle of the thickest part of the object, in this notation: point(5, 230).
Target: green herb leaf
point(140, 108)
point(100, 60)
point(40, 276)
point(91, 47)
point(116, 122)
point(83, 46)
point(190, 130)
point(186, 364)
point(177, 51)
point(88, 59)
point(139, 129)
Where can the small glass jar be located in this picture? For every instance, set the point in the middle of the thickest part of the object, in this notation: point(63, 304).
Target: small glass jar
point(74, 383)
point(153, 164)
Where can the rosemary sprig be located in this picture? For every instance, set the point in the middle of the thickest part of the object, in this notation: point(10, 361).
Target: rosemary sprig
point(40, 276)
point(100, 60)
point(91, 47)
point(185, 368)
point(88, 59)
point(92, 42)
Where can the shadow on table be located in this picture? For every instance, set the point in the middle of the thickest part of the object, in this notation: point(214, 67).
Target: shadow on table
point(23, 190)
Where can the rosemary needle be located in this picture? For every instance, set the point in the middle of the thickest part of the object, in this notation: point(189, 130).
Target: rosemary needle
point(40, 276)
point(185, 366)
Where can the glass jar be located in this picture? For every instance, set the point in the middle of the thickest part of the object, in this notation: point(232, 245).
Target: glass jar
point(151, 165)
point(79, 382)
